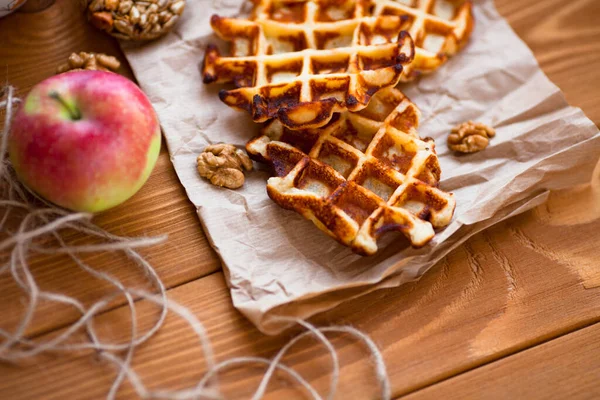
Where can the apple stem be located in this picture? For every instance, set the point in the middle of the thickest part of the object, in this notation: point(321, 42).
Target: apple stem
point(74, 113)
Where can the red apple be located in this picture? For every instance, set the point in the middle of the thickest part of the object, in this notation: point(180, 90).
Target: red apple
point(85, 140)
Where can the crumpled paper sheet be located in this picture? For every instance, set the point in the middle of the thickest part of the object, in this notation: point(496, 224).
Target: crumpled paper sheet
point(275, 261)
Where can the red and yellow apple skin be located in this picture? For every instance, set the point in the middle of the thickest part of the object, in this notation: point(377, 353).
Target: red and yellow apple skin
point(85, 140)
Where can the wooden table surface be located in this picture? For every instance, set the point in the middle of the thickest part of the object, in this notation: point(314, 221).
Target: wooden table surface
point(514, 312)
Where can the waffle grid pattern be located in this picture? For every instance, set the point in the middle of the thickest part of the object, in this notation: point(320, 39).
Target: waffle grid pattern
point(360, 176)
point(302, 61)
point(301, 73)
point(439, 29)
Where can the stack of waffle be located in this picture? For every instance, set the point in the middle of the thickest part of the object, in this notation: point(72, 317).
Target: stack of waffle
point(342, 141)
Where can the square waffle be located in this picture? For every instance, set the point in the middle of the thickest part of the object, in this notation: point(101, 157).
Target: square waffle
point(301, 61)
point(360, 176)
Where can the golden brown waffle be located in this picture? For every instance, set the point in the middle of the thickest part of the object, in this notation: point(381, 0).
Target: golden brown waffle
point(300, 62)
point(439, 29)
point(360, 176)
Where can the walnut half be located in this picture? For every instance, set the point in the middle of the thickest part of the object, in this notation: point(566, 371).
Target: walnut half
point(223, 164)
point(470, 137)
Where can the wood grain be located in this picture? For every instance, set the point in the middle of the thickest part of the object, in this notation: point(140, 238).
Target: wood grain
point(490, 298)
point(32, 45)
point(564, 38)
point(565, 368)
point(524, 282)
point(159, 208)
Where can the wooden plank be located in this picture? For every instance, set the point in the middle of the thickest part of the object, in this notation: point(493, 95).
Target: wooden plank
point(565, 368)
point(34, 44)
point(564, 37)
point(494, 296)
point(523, 282)
point(159, 208)
point(31, 47)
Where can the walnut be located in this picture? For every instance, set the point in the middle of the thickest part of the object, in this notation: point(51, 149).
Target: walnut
point(223, 164)
point(89, 61)
point(470, 137)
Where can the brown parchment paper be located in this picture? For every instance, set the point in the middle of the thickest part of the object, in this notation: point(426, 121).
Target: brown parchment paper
point(276, 262)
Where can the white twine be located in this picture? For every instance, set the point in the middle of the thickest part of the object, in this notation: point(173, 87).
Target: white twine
point(44, 220)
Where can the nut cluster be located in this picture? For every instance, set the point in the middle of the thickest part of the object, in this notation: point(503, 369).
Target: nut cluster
point(89, 61)
point(222, 164)
point(135, 19)
point(470, 137)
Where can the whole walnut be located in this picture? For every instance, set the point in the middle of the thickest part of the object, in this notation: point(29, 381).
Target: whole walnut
point(470, 137)
point(223, 165)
